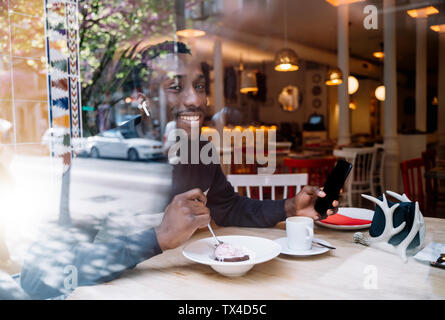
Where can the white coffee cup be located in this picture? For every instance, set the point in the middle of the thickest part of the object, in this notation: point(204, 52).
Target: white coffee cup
point(299, 232)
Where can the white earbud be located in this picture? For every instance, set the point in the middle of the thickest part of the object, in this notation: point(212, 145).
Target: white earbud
point(144, 106)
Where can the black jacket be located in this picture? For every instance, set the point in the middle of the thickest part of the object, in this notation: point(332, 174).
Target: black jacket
point(227, 208)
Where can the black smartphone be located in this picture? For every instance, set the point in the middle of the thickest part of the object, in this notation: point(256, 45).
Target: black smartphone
point(332, 187)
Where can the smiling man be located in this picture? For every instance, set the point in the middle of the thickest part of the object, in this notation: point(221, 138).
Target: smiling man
point(178, 83)
point(177, 88)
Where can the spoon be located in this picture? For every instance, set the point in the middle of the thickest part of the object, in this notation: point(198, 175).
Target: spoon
point(209, 226)
point(323, 245)
point(214, 236)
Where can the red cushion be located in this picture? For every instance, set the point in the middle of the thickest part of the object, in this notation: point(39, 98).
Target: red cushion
point(342, 220)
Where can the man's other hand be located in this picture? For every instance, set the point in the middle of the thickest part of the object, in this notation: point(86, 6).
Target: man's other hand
point(303, 203)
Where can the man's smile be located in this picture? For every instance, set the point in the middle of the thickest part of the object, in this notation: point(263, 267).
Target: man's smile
point(189, 118)
point(186, 118)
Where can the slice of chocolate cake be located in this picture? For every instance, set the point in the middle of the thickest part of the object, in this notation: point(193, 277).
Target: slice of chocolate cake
point(225, 252)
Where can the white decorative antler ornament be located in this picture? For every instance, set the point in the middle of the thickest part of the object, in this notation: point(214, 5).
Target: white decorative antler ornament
point(382, 241)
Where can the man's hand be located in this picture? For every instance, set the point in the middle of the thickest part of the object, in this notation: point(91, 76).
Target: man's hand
point(181, 219)
point(303, 203)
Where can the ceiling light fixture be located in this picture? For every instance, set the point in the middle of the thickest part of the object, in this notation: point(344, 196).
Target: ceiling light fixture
point(422, 12)
point(337, 3)
point(286, 59)
point(334, 77)
point(438, 28)
point(352, 105)
point(248, 80)
point(435, 101)
point(380, 93)
point(185, 27)
point(352, 84)
point(379, 54)
point(190, 33)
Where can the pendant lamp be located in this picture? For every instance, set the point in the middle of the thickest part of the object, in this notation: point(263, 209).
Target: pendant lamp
point(286, 59)
point(333, 77)
point(352, 84)
point(380, 93)
point(185, 28)
point(248, 82)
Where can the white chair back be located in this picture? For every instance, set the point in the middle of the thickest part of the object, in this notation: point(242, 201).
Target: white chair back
point(360, 180)
point(363, 162)
point(364, 165)
point(297, 180)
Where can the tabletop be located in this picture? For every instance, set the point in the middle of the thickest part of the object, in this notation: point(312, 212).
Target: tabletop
point(352, 271)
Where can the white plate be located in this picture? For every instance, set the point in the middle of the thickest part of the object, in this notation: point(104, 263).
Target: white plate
point(356, 213)
point(202, 251)
point(313, 251)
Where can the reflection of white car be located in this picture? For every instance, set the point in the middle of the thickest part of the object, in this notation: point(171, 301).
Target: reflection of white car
point(169, 127)
point(56, 134)
point(115, 144)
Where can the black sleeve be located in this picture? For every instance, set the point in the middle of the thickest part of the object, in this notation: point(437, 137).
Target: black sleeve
point(228, 208)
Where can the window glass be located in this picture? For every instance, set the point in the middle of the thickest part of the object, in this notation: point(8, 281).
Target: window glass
point(100, 100)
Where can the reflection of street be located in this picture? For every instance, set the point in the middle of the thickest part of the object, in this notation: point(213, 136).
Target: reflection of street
point(101, 186)
point(98, 187)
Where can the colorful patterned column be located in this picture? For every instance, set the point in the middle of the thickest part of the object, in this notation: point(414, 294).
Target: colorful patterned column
point(63, 88)
point(63, 73)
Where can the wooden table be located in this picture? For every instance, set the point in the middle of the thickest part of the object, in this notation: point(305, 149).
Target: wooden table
point(337, 274)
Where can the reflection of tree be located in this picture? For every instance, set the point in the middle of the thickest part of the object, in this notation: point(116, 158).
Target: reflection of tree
point(27, 32)
point(109, 34)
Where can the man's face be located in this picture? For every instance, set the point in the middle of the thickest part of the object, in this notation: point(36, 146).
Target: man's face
point(182, 85)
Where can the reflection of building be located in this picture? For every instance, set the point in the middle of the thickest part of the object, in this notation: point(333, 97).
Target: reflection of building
point(23, 93)
point(31, 98)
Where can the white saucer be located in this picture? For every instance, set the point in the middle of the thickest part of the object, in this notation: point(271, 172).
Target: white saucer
point(313, 251)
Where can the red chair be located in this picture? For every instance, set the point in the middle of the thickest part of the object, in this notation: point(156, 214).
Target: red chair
point(317, 169)
point(412, 177)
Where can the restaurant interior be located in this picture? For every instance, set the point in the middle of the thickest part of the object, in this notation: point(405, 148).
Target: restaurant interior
point(360, 80)
point(321, 80)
